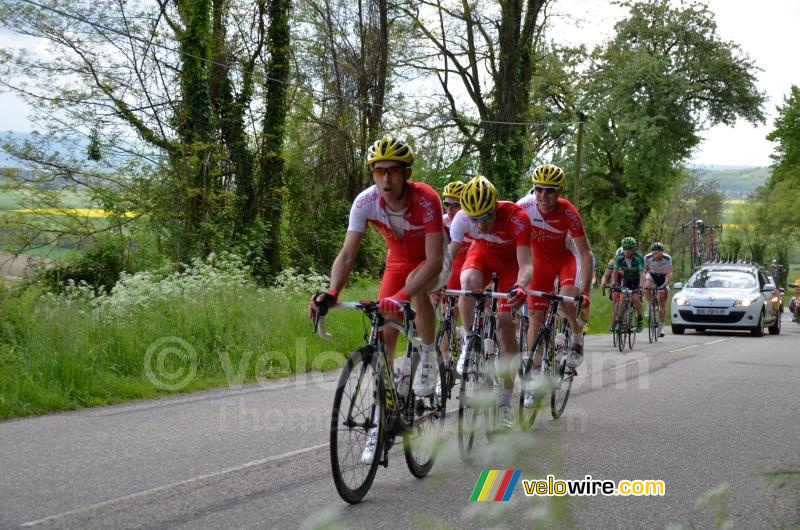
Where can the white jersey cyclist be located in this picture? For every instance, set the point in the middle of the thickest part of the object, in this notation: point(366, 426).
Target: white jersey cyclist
point(657, 269)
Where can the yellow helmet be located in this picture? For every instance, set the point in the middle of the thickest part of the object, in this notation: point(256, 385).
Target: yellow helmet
point(453, 189)
point(548, 175)
point(479, 197)
point(390, 148)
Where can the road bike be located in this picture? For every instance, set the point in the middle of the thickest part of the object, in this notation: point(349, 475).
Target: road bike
point(476, 395)
point(554, 342)
point(653, 314)
point(448, 342)
point(366, 390)
point(704, 243)
point(625, 324)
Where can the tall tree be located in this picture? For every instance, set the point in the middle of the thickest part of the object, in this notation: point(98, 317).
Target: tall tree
point(492, 57)
point(168, 96)
point(662, 78)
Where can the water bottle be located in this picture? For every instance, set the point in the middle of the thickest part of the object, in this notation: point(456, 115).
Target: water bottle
point(561, 340)
point(402, 375)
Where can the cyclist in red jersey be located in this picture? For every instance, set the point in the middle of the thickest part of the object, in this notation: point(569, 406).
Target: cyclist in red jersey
point(552, 220)
point(409, 217)
point(501, 233)
point(452, 205)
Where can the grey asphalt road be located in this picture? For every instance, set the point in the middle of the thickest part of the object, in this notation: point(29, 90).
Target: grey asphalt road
point(712, 415)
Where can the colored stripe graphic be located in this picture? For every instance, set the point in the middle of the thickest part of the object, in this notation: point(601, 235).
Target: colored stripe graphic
point(487, 485)
point(512, 484)
point(479, 485)
point(495, 485)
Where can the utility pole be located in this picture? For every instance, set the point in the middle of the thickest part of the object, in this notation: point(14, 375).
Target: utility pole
point(577, 189)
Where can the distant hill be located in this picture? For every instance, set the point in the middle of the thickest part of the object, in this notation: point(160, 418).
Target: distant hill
point(735, 182)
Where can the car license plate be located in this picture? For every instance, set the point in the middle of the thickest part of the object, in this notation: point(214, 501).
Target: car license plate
point(711, 310)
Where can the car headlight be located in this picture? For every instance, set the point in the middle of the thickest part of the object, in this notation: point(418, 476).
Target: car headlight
point(679, 300)
point(745, 302)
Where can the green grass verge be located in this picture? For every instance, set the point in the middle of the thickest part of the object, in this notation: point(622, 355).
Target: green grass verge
point(57, 356)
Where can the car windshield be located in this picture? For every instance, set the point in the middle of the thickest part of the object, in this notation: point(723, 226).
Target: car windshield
point(722, 279)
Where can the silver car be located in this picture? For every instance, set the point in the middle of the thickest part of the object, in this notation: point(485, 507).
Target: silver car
point(726, 296)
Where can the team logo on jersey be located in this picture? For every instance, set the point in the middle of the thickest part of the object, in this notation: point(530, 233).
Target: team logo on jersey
point(574, 218)
point(428, 207)
point(372, 197)
point(520, 226)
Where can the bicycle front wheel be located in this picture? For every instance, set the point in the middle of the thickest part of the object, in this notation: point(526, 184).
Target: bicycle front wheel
point(353, 416)
point(631, 327)
point(473, 384)
point(530, 401)
point(652, 323)
point(447, 345)
point(422, 439)
point(560, 376)
point(621, 324)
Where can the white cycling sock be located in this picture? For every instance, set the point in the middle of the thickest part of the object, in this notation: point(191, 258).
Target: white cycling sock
point(425, 352)
point(577, 338)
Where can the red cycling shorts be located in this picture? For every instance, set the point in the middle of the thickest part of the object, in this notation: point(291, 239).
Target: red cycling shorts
point(503, 263)
point(395, 275)
point(458, 263)
point(545, 273)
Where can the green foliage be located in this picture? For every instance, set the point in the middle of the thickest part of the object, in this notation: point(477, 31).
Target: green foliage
point(81, 347)
point(650, 88)
point(787, 136)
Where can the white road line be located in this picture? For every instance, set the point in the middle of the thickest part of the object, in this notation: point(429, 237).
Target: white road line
point(685, 348)
point(174, 484)
point(627, 363)
point(715, 341)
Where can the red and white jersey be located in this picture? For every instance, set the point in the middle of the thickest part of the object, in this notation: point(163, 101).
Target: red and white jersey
point(447, 221)
point(422, 216)
point(549, 231)
point(511, 230)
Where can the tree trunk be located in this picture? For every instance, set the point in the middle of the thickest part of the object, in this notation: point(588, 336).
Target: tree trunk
point(271, 182)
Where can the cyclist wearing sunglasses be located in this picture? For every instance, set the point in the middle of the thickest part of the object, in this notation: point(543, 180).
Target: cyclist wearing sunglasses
point(658, 273)
point(409, 217)
point(609, 279)
point(558, 240)
point(500, 231)
point(452, 205)
point(630, 267)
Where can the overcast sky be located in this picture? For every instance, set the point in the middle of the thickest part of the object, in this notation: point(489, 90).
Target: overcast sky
point(765, 30)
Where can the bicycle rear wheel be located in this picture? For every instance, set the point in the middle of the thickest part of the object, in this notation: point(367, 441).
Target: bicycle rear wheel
point(473, 384)
point(528, 409)
point(560, 375)
point(447, 345)
point(630, 327)
point(652, 322)
point(422, 440)
point(353, 414)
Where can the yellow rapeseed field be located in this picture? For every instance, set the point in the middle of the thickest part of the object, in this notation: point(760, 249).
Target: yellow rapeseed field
point(77, 212)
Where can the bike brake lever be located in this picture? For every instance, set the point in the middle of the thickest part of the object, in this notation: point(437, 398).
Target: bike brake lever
point(319, 327)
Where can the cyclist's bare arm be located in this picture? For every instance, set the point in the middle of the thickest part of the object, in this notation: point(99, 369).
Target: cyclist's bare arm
point(525, 265)
point(430, 268)
point(454, 248)
point(343, 264)
point(582, 244)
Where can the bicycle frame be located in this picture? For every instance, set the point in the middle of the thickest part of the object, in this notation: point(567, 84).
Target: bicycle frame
point(393, 403)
